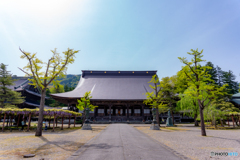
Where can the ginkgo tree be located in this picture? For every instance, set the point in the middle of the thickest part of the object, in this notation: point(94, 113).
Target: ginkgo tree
point(85, 103)
point(198, 79)
point(44, 73)
point(155, 98)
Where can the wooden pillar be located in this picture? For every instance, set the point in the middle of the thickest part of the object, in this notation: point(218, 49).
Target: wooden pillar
point(110, 115)
point(127, 112)
point(69, 122)
point(10, 124)
point(54, 122)
point(49, 121)
point(105, 111)
point(4, 121)
point(62, 123)
point(143, 118)
point(74, 120)
point(29, 120)
point(95, 114)
point(233, 121)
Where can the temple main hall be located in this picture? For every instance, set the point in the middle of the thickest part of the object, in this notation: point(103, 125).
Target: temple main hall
point(119, 95)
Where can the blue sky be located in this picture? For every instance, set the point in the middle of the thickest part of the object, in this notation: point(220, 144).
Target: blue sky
point(122, 34)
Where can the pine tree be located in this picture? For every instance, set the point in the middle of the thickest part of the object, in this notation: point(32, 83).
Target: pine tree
point(212, 72)
point(66, 88)
point(228, 78)
point(219, 76)
point(8, 97)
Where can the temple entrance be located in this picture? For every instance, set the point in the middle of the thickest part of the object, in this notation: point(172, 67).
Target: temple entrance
point(119, 112)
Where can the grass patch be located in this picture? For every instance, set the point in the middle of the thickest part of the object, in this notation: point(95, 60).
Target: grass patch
point(175, 129)
point(223, 128)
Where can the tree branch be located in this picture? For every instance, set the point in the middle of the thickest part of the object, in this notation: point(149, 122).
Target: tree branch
point(29, 59)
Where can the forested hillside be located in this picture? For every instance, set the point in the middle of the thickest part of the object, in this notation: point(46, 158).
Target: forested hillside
point(71, 80)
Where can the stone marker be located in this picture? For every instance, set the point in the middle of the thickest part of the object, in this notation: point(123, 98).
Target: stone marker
point(154, 125)
point(87, 125)
point(28, 155)
point(169, 120)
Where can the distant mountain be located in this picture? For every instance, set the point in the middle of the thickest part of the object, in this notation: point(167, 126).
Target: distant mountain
point(70, 80)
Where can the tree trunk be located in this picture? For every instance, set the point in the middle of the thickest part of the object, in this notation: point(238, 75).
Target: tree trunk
point(62, 123)
point(203, 131)
point(40, 117)
point(228, 121)
point(18, 120)
point(172, 117)
point(221, 122)
point(11, 117)
point(54, 122)
point(157, 114)
point(29, 120)
point(195, 120)
point(83, 120)
point(4, 121)
point(239, 120)
point(49, 121)
point(233, 121)
point(7, 120)
point(74, 121)
point(69, 122)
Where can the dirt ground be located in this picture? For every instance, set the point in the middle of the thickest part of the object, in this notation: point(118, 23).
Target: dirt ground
point(52, 145)
point(188, 141)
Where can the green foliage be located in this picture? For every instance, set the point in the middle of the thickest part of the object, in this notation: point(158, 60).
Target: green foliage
point(55, 67)
point(57, 87)
point(155, 98)
point(182, 80)
point(169, 91)
point(219, 76)
point(188, 104)
point(8, 97)
point(213, 72)
point(71, 81)
point(204, 91)
point(198, 79)
point(35, 112)
point(84, 102)
point(228, 78)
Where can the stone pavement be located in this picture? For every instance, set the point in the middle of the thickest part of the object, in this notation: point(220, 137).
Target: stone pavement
point(124, 142)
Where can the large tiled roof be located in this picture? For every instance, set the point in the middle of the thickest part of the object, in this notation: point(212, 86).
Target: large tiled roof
point(111, 85)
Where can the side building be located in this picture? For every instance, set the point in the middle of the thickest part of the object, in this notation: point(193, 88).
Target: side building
point(31, 94)
point(119, 95)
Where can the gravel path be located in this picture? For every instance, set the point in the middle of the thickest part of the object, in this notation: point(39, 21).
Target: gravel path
point(52, 145)
point(188, 141)
point(123, 142)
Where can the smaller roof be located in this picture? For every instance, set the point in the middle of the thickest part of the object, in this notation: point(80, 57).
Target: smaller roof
point(237, 101)
point(236, 95)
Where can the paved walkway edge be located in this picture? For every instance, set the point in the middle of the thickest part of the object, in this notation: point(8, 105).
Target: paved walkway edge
point(165, 146)
point(84, 147)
